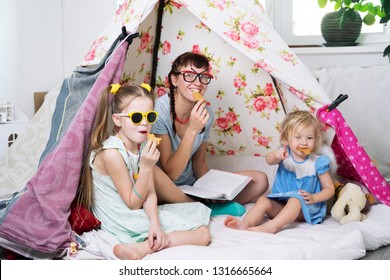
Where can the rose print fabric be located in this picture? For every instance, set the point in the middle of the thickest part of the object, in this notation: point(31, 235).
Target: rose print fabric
point(257, 76)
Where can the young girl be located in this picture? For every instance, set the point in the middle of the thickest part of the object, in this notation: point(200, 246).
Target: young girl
point(302, 184)
point(121, 176)
point(184, 125)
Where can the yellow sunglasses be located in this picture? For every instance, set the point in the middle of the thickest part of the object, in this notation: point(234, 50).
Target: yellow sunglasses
point(137, 117)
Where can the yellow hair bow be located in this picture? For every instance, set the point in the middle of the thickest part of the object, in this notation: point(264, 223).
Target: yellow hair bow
point(146, 86)
point(115, 88)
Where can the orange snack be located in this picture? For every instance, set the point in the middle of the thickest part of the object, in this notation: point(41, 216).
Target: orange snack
point(197, 96)
point(306, 151)
point(151, 136)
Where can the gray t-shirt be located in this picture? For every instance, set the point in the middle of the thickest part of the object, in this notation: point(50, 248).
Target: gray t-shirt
point(163, 126)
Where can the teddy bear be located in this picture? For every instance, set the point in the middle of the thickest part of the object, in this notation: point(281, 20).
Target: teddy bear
point(350, 201)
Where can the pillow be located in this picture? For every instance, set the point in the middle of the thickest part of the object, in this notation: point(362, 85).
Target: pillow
point(81, 219)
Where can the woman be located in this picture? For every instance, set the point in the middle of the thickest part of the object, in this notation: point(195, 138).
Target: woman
point(184, 125)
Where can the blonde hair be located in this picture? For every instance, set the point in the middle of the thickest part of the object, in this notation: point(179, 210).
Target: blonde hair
point(300, 118)
point(110, 103)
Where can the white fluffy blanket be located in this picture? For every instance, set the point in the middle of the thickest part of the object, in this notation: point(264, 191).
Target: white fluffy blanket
point(298, 241)
point(326, 241)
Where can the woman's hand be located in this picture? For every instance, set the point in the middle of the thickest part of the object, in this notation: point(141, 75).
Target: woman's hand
point(157, 238)
point(150, 155)
point(199, 116)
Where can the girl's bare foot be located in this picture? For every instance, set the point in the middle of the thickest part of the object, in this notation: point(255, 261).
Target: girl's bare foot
point(134, 251)
point(267, 228)
point(234, 223)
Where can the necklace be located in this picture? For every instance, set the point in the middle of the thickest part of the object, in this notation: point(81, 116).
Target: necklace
point(135, 175)
point(182, 121)
point(129, 154)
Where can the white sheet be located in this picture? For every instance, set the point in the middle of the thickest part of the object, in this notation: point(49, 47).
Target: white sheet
point(298, 241)
point(329, 240)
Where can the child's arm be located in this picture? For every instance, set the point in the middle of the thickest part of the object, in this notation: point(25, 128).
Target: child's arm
point(135, 195)
point(277, 156)
point(199, 164)
point(327, 190)
point(116, 168)
point(173, 162)
point(157, 238)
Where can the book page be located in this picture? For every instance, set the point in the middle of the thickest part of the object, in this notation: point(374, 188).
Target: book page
point(217, 184)
point(221, 181)
point(200, 192)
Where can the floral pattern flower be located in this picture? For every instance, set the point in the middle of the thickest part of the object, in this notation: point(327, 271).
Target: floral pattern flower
point(262, 100)
point(166, 47)
point(245, 30)
point(227, 124)
point(261, 140)
point(146, 44)
point(288, 56)
point(94, 50)
point(220, 4)
point(239, 82)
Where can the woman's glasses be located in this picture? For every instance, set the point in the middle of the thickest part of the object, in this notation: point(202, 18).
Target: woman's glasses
point(190, 76)
point(137, 117)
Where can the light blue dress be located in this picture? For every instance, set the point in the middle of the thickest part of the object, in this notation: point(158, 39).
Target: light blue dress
point(131, 226)
point(292, 176)
point(163, 126)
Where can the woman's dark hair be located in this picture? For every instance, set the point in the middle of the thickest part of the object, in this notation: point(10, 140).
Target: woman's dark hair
point(188, 58)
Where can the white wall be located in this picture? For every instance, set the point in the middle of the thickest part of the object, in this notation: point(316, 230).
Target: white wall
point(30, 49)
point(43, 41)
point(83, 22)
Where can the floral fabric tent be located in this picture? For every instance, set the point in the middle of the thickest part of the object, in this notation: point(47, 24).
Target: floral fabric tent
point(257, 76)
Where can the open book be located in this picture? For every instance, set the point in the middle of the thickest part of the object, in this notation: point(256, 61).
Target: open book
point(218, 185)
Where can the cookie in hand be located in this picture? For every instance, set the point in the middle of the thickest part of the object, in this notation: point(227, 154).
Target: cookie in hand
point(151, 136)
point(197, 96)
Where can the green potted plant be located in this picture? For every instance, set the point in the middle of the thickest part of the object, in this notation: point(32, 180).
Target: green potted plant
point(346, 10)
point(350, 10)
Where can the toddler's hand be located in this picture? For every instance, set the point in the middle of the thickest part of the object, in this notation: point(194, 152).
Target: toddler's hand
point(308, 197)
point(281, 153)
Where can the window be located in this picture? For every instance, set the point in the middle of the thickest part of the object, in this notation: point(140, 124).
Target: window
point(299, 21)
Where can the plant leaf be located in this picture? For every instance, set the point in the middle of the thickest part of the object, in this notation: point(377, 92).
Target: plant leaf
point(386, 51)
point(347, 2)
point(342, 16)
point(385, 19)
point(386, 6)
point(351, 14)
point(322, 3)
